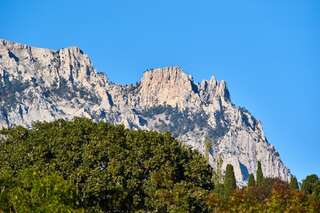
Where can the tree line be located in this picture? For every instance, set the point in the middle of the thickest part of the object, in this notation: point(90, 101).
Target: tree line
point(265, 194)
point(83, 166)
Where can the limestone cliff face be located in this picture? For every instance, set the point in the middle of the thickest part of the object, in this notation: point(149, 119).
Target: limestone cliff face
point(42, 84)
point(168, 86)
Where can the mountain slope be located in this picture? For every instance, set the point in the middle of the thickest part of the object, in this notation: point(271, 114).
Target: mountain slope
point(41, 84)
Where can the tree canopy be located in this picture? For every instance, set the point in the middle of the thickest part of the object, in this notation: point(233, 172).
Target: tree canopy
point(230, 183)
point(311, 185)
point(294, 183)
point(259, 175)
point(251, 181)
point(82, 166)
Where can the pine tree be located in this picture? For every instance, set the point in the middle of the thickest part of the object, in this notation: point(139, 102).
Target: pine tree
point(294, 183)
point(251, 181)
point(309, 184)
point(217, 175)
point(259, 175)
point(229, 180)
point(207, 146)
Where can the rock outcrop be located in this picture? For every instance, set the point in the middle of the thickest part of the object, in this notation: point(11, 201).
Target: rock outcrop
point(39, 84)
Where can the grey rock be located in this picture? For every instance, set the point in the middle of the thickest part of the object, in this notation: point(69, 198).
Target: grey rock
point(38, 84)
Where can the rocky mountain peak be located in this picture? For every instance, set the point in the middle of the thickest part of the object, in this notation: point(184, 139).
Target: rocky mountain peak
point(67, 65)
point(222, 90)
point(76, 65)
point(167, 75)
point(168, 85)
point(38, 84)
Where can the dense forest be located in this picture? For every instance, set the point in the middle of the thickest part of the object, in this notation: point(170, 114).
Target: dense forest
point(82, 166)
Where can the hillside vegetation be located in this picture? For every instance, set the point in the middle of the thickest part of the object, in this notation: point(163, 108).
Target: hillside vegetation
point(82, 166)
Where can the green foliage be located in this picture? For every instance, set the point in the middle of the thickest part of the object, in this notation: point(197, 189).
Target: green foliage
point(273, 196)
point(207, 148)
point(217, 174)
point(311, 185)
point(259, 175)
point(229, 180)
point(219, 190)
point(80, 165)
point(251, 181)
point(294, 185)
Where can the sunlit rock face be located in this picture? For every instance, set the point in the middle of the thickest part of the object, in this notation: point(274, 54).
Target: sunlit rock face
point(38, 84)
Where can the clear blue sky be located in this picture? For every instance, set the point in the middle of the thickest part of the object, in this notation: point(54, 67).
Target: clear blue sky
point(267, 51)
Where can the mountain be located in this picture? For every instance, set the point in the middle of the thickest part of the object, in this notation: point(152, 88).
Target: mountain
point(38, 84)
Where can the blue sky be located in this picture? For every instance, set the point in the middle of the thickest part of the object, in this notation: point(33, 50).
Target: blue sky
point(267, 51)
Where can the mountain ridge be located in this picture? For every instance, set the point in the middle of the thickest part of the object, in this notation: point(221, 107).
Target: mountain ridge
point(42, 84)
